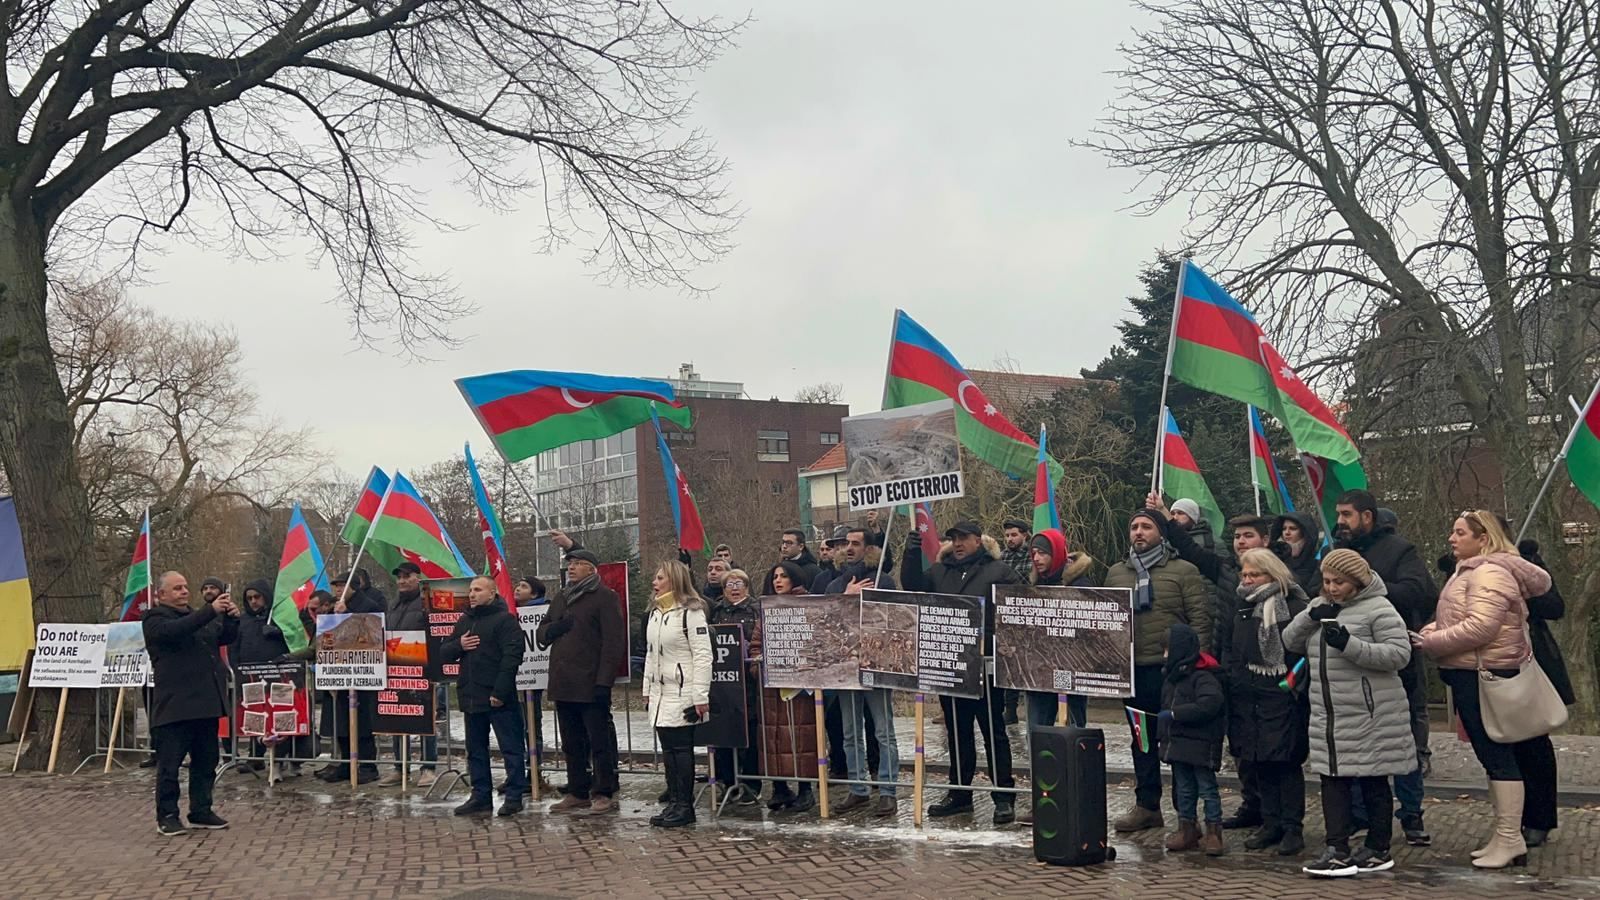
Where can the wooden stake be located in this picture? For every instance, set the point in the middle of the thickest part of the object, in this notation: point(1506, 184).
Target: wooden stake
point(822, 757)
point(711, 777)
point(116, 726)
point(352, 743)
point(22, 736)
point(405, 763)
point(55, 740)
point(1061, 710)
point(918, 770)
point(272, 768)
point(533, 749)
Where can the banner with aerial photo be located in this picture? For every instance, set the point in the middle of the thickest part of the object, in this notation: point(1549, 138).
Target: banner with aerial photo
point(931, 643)
point(405, 705)
point(1068, 640)
point(350, 652)
point(272, 700)
point(810, 641)
point(905, 455)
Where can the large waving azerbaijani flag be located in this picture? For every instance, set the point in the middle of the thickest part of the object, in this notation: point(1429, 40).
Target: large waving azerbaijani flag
point(404, 522)
point(301, 571)
point(1218, 346)
point(494, 539)
point(136, 597)
point(1045, 514)
point(1180, 474)
point(360, 519)
point(1583, 450)
point(921, 370)
point(1264, 469)
point(528, 412)
point(685, 513)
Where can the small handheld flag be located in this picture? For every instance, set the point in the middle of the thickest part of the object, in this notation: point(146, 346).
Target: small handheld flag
point(1292, 680)
point(1144, 732)
point(136, 596)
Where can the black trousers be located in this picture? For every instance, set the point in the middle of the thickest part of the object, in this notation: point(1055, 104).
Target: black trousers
point(960, 714)
point(1147, 766)
point(677, 752)
point(1337, 795)
point(1498, 760)
point(1281, 791)
point(196, 739)
point(1536, 758)
point(589, 737)
point(1249, 787)
point(337, 714)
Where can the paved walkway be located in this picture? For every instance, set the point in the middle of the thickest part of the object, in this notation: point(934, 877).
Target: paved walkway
point(92, 836)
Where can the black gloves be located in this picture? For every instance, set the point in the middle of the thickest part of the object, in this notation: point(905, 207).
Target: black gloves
point(685, 558)
point(558, 629)
point(602, 694)
point(1336, 635)
point(1324, 611)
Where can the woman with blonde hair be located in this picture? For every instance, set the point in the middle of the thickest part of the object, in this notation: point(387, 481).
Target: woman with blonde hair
point(1481, 624)
point(677, 682)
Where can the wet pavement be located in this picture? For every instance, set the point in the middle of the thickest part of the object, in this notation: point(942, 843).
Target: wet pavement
point(93, 836)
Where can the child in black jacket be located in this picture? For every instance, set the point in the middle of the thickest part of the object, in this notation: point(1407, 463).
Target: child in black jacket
point(1193, 720)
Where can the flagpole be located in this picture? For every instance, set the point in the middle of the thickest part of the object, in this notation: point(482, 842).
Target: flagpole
point(344, 592)
point(883, 557)
point(1166, 376)
point(1160, 479)
point(1250, 452)
point(1555, 465)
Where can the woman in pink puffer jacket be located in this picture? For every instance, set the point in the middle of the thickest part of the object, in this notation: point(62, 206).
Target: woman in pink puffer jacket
point(1481, 622)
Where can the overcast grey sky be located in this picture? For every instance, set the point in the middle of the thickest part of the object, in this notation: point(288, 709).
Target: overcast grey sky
point(887, 154)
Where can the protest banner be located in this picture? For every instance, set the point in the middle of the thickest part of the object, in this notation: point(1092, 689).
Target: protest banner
point(614, 575)
point(930, 643)
point(900, 456)
point(273, 702)
point(350, 652)
point(810, 641)
point(726, 725)
point(405, 705)
point(125, 662)
point(445, 599)
point(1069, 640)
point(68, 656)
point(534, 673)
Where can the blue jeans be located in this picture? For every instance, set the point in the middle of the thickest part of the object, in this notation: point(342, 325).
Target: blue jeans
point(852, 710)
point(507, 724)
point(1191, 784)
point(1042, 709)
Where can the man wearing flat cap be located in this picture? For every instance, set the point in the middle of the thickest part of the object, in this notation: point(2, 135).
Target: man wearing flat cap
point(354, 595)
point(588, 641)
point(408, 612)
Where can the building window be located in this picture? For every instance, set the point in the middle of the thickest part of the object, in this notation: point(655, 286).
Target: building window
point(686, 438)
point(772, 446)
point(777, 487)
point(829, 437)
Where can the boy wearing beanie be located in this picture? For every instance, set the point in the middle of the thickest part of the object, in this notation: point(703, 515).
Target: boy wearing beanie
point(1192, 720)
point(1355, 645)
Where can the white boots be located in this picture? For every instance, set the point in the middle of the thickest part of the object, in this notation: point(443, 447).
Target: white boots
point(1505, 847)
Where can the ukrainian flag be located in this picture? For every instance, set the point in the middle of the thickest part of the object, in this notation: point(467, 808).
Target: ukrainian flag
point(16, 597)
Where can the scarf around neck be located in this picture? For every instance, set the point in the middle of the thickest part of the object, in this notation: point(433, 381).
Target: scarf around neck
point(1269, 609)
point(1144, 597)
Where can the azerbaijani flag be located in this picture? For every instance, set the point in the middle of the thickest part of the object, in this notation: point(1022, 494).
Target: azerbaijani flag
point(1144, 730)
point(136, 595)
point(1264, 469)
point(404, 522)
point(1180, 474)
point(1045, 514)
point(927, 534)
point(494, 539)
point(528, 412)
point(921, 370)
point(1328, 481)
point(1218, 346)
point(301, 571)
point(1583, 450)
point(360, 519)
point(685, 514)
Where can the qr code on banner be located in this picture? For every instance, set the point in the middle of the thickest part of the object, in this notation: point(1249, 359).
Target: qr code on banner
point(1063, 681)
point(254, 723)
point(285, 722)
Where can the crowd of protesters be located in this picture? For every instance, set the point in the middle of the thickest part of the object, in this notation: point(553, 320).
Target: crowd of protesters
point(1285, 650)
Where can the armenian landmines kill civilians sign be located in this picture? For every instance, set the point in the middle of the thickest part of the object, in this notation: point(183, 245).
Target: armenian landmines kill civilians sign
point(905, 455)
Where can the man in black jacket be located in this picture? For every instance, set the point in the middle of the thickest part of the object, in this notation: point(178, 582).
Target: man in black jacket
point(191, 694)
point(1414, 595)
point(355, 595)
point(488, 642)
point(969, 564)
point(792, 548)
point(407, 612)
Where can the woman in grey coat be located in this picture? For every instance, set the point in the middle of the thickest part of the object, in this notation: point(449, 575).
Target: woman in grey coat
point(1355, 645)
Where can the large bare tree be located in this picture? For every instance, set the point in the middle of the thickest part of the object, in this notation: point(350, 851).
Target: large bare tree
point(302, 119)
point(1414, 178)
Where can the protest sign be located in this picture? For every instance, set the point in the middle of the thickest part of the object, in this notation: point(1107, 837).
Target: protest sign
point(1068, 640)
point(614, 575)
point(726, 725)
point(273, 702)
point(445, 599)
point(68, 656)
point(904, 455)
point(350, 654)
point(810, 641)
point(405, 705)
point(534, 673)
point(126, 664)
point(922, 642)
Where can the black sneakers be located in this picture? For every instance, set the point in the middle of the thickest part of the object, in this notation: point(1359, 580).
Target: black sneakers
point(474, 806)
point(1416, 835)
point(170, 826)
point(1333, 863)
point(951, 805)
point(207, 820)
point(1005, 810)
point(510, 808)
point(1367, 859)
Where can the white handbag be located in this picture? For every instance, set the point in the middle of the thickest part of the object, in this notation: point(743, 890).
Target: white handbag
point(1523, 706)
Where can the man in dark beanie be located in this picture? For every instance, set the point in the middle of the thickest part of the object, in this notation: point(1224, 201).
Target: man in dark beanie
point(1165, 590)
point(1014, 553)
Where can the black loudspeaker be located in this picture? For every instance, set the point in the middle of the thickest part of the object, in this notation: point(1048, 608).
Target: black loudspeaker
point(1069, 796)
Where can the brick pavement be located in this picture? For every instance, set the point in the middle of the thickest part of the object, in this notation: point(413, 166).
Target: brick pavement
point(93, 836)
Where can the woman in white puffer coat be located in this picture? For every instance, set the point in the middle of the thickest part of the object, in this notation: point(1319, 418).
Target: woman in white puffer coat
point(677, 683)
